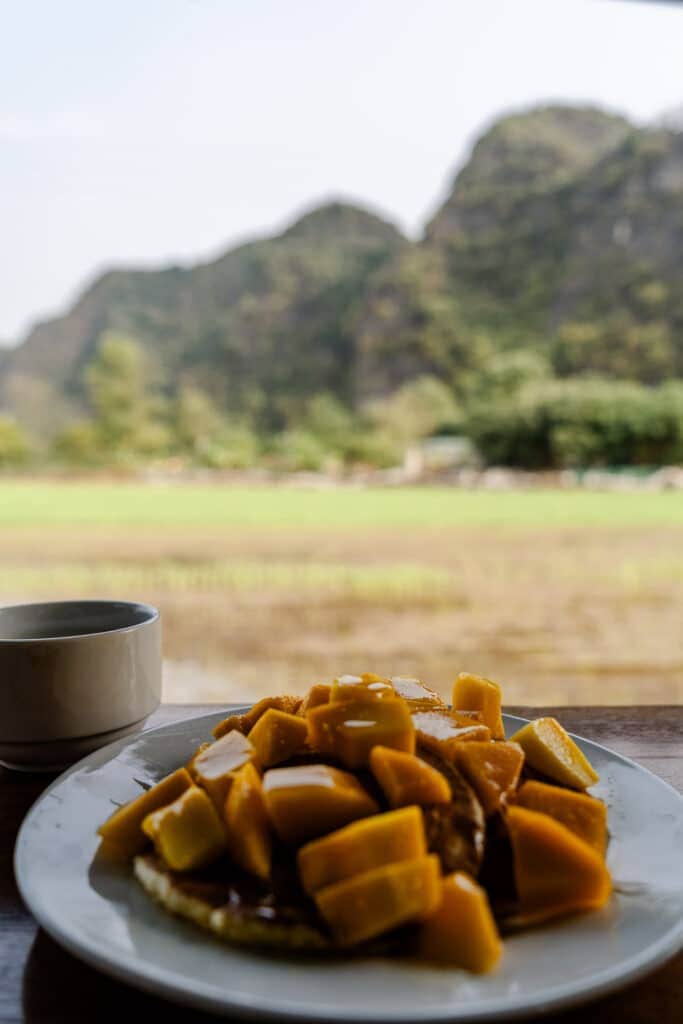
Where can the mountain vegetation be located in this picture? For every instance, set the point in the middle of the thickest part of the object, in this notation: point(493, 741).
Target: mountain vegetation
point(541, 313)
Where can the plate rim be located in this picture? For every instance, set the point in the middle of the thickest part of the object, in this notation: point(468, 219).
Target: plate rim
point(156, 980)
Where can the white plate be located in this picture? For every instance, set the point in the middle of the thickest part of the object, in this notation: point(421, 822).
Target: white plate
point(100, 914)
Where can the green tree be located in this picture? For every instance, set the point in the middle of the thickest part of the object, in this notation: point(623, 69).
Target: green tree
point(14, 446)
point(196, 421)
point(419, 408)
point(116, 390)
point(77, 444)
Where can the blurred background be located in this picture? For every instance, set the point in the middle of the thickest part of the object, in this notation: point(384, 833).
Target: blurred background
point(350, 335)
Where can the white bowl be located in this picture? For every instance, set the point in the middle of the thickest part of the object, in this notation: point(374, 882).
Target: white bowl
point(74, 675)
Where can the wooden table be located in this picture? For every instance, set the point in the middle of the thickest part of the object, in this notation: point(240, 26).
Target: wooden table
point(42, 984)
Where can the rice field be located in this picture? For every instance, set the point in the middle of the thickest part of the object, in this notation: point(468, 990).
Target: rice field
point(565, 597)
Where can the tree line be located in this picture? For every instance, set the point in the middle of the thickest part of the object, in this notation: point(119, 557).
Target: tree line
point(512, 408)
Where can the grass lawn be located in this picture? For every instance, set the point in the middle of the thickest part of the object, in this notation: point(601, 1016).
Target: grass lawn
point(565, 597)
point(55, 503)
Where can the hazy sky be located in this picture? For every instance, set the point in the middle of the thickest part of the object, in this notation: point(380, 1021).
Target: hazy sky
point(149, 131)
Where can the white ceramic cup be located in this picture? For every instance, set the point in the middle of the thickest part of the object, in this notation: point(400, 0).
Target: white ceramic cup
point(74, 675)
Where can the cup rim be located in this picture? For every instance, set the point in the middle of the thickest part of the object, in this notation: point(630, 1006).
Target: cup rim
point(152, 615)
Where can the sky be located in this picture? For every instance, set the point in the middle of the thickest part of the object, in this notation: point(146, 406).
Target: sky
point(148, 132)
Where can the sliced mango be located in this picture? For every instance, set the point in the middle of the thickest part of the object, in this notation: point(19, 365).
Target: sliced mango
point(317, 695)
point(583, 815)
point(246, 722)
point(123, 830)
point(417, 696)
point(188, 833)
point(350, 729)
point(248, 824)
point(474, 693)
point(361, 688)
point(214, 766)
point(362, 846)
point(461, 931)
point(443, 731)
point(366, 905)
point(492, 769)
point(556, 873)
point(277, 736)
point(311, 800)
point(552, 752)
point(406, 779)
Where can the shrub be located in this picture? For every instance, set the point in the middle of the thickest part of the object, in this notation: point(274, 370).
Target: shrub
point(580, 422)
point(14, 446)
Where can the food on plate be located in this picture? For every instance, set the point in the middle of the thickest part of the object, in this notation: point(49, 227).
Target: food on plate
point(474, 693)
point(556, 872)
point(310, 800)
point(370, 816)
point(362, 846)
point(123, 830)
point(406, 779)
point(214, 765)
point(552, 751)
point(461, 931)
point(276, 736)
point(582, 814)
point(366, 905)
point(189, 832)
point(492, 769)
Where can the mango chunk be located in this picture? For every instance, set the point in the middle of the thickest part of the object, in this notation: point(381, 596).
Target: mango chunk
point(552, 752)
point(317, 695)
point(416, 694)
point(123, 830)
point(366, 905)
point(213, 768)
point(583, 815)
point(246, 722)
point(188, 833)
point(492, 769)
point(277, 736)
point(311, 800)
point(443, 731)
point(367, 687)
point(474, 693)
point(556, 873)
point(461, 931)
point(248, 823)
point(362, 846)
point(406, 779)
point(350, 729)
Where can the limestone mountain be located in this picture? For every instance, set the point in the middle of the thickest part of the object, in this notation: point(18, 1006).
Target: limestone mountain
point(563, 234)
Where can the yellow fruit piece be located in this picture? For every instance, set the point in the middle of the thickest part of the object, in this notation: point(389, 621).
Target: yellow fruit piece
point(474, 693)
point(246, 722)
point(364, 906)
point(277, 736)
point(362, 846)
point(214, 767)
point(123, 830)
point(492, 769)
point(367, 687)
point(443, 731)
point(248, 823)
point(311, 800)
point(407, 779)
point(552, 752)
point(350, 729)
point(317, 695)
point(188, 833)
point(461, 931)
point(555, 872)
point(583, 815)
point(417, 696)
